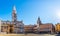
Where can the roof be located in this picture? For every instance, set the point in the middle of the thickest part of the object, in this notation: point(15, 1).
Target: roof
point(46, 25)
point(28, 25)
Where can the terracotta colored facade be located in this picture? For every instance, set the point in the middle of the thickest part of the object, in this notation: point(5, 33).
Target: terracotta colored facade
point(28, 28)
point(47, 27)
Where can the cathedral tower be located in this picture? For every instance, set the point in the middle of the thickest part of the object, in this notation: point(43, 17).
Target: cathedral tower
point(14, 17)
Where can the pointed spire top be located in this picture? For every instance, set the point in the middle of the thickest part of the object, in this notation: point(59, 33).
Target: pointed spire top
point(14, 8)
point(38, 18)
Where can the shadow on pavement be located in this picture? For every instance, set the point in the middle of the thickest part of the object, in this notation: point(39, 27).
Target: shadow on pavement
point(58, 34)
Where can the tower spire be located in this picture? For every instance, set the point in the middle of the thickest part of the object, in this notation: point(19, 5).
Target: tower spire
point(39, 21)
point(14, 9)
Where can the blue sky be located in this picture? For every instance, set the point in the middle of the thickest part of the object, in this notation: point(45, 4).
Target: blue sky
point(30, 10)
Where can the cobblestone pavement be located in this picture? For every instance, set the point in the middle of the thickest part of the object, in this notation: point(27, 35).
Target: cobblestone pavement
point(29, 35)
point(40, 35)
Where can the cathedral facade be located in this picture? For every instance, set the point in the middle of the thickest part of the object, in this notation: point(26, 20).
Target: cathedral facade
point(17, 26)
